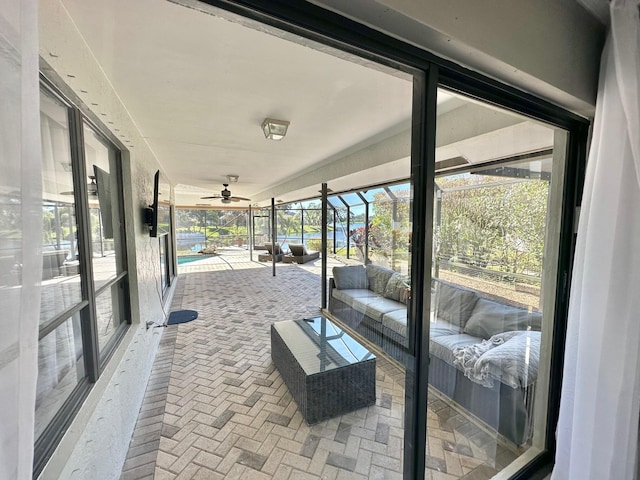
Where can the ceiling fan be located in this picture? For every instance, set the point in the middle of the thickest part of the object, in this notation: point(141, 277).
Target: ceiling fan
point(92, 188)
point(225, 196)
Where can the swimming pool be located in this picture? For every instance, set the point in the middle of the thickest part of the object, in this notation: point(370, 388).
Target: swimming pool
point(189, 258)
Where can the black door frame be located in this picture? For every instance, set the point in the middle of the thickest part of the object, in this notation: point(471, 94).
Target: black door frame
point(430, 72)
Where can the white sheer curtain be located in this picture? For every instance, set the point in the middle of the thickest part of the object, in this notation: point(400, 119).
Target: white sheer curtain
point(20, 234)
point(598, 425)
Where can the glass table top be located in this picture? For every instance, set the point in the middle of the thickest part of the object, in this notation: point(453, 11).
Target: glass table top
point(319, 345)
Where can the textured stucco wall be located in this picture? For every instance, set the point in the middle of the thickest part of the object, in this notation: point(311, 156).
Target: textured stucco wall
point(96, 444)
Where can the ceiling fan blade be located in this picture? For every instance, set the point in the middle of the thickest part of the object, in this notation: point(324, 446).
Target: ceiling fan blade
point(237, 199)
point(208, 198)
point(234, 199)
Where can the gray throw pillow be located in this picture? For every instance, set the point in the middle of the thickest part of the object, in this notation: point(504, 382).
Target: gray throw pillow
point(349, 277)
point(397, 288)
point(455, 303)
point(490, 318)
point(378, 278)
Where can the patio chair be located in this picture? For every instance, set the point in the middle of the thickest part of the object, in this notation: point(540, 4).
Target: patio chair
point(299, 254)
point(266, 257)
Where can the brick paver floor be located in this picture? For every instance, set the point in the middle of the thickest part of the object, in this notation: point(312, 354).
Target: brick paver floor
point(215, 406)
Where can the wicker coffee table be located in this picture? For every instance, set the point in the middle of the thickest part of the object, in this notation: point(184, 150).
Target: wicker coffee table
point(327, 372)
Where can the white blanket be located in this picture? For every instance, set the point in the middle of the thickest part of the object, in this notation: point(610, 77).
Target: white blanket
point(509, 357)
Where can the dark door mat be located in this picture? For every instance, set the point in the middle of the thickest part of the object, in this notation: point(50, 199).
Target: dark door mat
point(182, 316)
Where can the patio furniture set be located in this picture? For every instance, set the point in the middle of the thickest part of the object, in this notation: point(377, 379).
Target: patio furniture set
point(483, 354)
point(298, 254)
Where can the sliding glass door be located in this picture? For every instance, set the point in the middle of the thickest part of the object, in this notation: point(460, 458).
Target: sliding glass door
point(498, 202)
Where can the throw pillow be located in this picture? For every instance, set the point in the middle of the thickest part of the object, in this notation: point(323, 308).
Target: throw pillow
point(378, 278)
point(397, 287)
point(349, 277)
point(454, 303)
point(490, 318)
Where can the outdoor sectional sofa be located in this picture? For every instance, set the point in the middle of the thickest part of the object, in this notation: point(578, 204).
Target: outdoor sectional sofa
point(483, 354)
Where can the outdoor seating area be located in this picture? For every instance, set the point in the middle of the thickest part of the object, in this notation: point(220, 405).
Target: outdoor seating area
point(477, 346)
point(329, 202)
point(244, 420)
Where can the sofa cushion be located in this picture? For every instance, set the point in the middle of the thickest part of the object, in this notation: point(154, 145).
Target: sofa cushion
point(398, 288)
point(490, 318)
point(440, 328)
point(350, 277)
point(443, 346)
point(349, 294)
point(375, 307)
point(297, 250)
point(378, 277)
point(396, 321)
point(454, 303)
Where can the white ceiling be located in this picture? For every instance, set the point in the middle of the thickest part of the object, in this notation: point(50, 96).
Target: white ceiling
point(198, 87)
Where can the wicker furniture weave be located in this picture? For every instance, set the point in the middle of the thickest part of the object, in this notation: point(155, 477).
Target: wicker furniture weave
point(509, 410)
point(327, 372)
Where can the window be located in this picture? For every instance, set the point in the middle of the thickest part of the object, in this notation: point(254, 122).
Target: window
point(107, 239)
point(84, 294)
point(497, 210)
point(60, 349)
point(165, 235)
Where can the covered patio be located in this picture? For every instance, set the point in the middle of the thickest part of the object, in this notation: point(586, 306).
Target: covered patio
point(215, 406)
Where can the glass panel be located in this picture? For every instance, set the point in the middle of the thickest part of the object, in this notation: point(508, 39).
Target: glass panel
point(164, 207)
point(352, 199)
point(390, 228)
point(373, 300)
point(104, 208)
point(192, 229)
point(233, 231)
point(310, 204)
point(289, 226)
point(335, 201)
point(109, 312)
point(60, 369)
point(162, 240)
point(61, 287)
point(261, 229)
point(357, 233)
point(323, 345)
point(332, 226)
point(371, 194)
point(339, 235)
point(495, 218)
point(312, 220)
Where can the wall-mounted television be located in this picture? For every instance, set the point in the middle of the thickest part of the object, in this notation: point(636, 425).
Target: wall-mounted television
point(151, 212)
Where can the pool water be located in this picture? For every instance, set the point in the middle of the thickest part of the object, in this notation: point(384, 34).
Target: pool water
point(188, 258)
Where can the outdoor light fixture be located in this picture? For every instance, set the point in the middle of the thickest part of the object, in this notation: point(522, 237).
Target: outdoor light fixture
point(232, 178)
point(274, 129)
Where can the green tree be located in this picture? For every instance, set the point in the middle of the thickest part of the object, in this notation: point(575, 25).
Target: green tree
point(489, 222)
